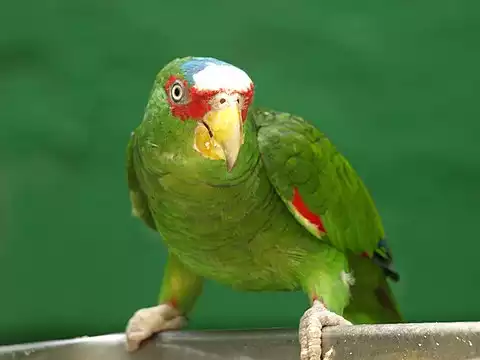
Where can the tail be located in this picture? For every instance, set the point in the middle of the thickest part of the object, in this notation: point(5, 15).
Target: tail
point(372, 300)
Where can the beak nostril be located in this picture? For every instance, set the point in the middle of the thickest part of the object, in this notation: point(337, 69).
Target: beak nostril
point(222, 100)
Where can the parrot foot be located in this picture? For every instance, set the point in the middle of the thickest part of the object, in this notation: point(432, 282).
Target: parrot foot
point(148, 321)
point(310, 332)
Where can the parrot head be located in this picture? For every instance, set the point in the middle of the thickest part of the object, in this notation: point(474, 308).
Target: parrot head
point(201, 103)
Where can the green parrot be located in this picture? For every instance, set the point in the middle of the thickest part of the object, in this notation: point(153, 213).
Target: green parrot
point(255, 199)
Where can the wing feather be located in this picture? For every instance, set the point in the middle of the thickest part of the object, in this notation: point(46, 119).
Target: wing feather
point(138, 198)
point(298, 156)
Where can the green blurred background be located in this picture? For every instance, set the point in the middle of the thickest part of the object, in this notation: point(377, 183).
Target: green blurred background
point(395, 84)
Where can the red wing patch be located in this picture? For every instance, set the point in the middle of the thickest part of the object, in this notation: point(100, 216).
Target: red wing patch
point(305, 212)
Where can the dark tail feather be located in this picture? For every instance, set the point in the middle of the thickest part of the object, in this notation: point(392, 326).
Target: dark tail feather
point(383, 258)
point(372, 300)
point(386, 266)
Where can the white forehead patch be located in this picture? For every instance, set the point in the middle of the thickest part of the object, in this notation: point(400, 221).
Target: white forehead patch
point(222, 77)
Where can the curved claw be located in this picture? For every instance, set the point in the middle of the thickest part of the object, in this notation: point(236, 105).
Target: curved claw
point(310, 330)
point(148, 321)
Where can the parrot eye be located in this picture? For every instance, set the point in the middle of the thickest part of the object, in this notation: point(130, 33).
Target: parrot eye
point(177, 91)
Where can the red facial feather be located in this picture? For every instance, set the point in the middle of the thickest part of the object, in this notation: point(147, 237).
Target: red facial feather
point(303, 210)
point(198, 103)
point(247, 101)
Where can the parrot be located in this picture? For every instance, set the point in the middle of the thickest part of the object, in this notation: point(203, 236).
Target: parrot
point(255, 199)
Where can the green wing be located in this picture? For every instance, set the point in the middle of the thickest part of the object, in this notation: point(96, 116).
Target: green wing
point(298, 156)
point(137, 197)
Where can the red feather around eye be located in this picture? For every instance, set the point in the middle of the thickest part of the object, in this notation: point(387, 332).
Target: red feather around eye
point(198, 103)
point(248, 98)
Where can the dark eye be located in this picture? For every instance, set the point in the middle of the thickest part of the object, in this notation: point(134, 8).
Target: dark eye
point(176, 92)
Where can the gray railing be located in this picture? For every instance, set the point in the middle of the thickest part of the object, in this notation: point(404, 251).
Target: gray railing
point(430, 341)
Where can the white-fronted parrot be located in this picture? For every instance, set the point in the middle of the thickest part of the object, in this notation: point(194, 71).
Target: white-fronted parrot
point(253, 198)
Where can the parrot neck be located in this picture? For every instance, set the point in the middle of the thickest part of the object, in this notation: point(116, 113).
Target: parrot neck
point(204, 199)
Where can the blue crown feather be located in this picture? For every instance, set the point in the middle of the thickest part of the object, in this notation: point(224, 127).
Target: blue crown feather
point(193, 66)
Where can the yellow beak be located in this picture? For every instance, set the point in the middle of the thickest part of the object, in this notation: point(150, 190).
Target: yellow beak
point(225, 127)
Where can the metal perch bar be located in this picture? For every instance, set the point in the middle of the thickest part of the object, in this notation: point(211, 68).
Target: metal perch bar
point(429, 341)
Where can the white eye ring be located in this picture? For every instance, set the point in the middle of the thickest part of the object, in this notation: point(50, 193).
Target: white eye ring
point(176, 92)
